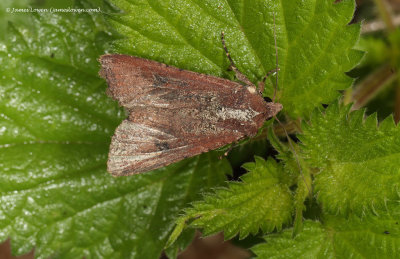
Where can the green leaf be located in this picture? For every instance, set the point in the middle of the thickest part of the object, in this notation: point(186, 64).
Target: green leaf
point(313, 39)
point(260, 201)
point(55, 128)
point(180, 243)
point(60, 200)
point(178, 230)
point(357, 160)
point(319, 45)
point(337, 237)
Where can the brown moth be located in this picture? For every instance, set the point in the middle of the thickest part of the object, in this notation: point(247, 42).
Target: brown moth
point(175, 113)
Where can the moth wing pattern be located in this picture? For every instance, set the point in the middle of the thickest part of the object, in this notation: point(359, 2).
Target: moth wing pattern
point(174, 113)
point(139, 148)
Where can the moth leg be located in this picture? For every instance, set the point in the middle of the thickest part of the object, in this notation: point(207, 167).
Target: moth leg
point(230, 148)
point(261, 84)
point(238, 74)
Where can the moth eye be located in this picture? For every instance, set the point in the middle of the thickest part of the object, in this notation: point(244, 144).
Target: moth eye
point(267, 99)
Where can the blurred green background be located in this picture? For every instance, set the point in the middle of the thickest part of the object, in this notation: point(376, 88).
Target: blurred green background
point(377, 86)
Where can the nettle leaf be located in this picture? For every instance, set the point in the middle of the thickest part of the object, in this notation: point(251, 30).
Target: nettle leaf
point(260, 201)
point(55, 127)
point(357, 159)
point(313, 39)
point(337, 237)
point(181, 243)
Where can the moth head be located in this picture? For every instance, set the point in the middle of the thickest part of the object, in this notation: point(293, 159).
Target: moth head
point(274, 108)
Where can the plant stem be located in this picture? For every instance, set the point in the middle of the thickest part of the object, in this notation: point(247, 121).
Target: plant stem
point(384, 12)
point(370, 86)
point(397, 103)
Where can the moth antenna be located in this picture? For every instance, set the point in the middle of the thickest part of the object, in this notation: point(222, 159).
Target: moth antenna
point(276, 61)
point(262, 83)
point(273, 71)
point(295, 155)
point(280, 123)
point(238, 74)
point(226, 50)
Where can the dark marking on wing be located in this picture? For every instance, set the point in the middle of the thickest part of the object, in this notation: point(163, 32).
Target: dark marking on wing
point(162, 146)
point(160, 80)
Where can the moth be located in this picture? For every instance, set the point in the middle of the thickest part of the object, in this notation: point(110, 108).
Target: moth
point(175, 113)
